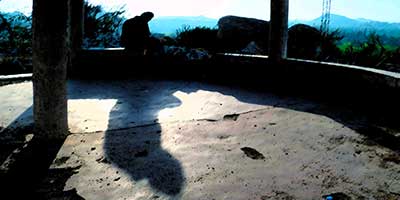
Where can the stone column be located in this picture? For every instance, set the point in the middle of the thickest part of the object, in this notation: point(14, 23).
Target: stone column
point(278, 30)
point(50, 58)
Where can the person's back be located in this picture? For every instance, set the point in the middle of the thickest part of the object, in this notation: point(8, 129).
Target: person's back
point(135, 32)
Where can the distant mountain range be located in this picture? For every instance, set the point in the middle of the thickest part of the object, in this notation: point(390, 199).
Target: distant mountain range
point(347, 24)
point(169, 25)
point(352, 29)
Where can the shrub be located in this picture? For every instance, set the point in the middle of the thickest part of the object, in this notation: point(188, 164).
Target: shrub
point(198, 37)
point(371, 53)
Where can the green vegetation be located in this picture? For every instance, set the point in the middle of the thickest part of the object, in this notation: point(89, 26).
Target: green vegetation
point(102, 29)
point(329, 46)
point(355, 35)
point(371, 53)
point(198, 37)
point(15, 43)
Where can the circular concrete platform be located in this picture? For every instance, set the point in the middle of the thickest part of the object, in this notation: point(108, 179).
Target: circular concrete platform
point(187, 140)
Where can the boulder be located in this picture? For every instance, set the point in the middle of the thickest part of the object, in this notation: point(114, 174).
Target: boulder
point(253, 48)
point(304, 41)
point(235, 33)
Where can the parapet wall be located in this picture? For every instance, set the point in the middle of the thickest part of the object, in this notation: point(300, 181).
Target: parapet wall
point(257, 71)
point(117, 62)
point(369, 89)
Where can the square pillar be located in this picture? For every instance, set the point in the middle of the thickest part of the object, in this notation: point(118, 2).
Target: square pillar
point(51, 42)
point(278, 30)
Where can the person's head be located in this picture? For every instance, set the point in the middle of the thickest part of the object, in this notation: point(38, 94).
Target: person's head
point(147, 16)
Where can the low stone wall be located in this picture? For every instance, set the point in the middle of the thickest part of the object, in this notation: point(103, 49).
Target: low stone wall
point(117, 63)
point(293, 73)
point(373, 77)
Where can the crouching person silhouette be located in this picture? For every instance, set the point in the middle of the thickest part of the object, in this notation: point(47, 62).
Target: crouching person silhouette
point(135, 35)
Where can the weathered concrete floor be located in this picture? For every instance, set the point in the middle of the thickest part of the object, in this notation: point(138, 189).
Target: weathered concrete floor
point(181, 140)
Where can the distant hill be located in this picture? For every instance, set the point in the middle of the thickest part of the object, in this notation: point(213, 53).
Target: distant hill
point(360, 26)
point(169, 25)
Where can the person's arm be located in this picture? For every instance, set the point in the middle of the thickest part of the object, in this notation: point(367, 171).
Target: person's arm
point(147, 30)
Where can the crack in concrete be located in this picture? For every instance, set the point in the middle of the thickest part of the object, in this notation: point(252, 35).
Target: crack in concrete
point(173, 122)
point(235, 114)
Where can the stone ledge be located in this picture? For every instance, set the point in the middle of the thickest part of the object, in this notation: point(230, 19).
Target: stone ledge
point(292, 65)
point(15, 78)
point(378, 71)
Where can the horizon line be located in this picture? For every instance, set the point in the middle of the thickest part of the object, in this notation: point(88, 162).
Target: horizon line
point(217, 18)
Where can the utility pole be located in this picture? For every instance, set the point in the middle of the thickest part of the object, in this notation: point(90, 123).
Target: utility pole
point(326, 16)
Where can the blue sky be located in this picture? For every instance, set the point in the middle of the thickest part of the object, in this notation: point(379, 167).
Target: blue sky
point(381, 10)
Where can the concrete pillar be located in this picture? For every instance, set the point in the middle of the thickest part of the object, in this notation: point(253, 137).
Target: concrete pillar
point(278, 30)
point(51, 40)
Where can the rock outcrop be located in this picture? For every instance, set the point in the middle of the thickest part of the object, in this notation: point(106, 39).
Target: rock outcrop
point(250, 36)
point(304, 41)
point(235, 33)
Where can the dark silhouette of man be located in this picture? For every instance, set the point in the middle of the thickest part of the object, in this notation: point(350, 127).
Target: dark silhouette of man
point(136, 33)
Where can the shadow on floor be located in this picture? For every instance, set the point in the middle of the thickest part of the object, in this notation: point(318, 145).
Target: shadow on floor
point(139, 153)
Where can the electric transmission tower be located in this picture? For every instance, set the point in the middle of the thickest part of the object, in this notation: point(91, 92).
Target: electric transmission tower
point(326, 16)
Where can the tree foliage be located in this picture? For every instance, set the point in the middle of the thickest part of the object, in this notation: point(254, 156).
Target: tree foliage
point(15, 34)
point(329, 46)
point(102, 29)
point(371, 53)
point(15, 43)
